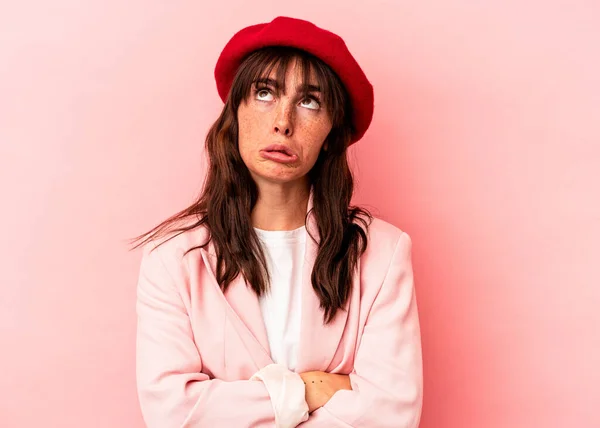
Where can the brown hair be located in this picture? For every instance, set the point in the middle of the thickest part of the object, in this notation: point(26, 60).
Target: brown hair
point(229, 194)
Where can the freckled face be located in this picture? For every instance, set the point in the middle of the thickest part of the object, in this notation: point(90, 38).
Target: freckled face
point(270, 116)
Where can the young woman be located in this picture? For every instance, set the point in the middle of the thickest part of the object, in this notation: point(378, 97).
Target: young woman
point(270, 301)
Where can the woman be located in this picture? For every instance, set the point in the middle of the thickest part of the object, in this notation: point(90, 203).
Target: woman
point(271, 301)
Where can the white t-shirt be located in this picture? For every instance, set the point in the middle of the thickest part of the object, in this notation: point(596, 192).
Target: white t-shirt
point(284, 252)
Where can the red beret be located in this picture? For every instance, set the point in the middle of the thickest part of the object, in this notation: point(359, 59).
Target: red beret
point(305, 35)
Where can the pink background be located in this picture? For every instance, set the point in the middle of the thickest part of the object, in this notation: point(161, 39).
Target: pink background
point(485, 147)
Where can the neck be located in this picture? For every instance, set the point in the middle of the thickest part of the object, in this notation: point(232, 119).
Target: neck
point(280, 207)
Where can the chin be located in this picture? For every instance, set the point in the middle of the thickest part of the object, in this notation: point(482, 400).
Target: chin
point(274, 178)
point(276, 175)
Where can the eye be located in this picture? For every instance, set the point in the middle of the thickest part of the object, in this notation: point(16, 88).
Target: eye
point(262, 94)
point(311, 103)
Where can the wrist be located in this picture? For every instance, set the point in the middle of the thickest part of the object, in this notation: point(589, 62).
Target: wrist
point(318, 389)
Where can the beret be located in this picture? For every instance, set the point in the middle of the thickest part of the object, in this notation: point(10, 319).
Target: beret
point(304, 35)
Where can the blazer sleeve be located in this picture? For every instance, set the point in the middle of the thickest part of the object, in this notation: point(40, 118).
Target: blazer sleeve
point(172, 390)
point(387, 381)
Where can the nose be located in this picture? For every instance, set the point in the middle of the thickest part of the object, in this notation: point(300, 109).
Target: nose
point(284, 119)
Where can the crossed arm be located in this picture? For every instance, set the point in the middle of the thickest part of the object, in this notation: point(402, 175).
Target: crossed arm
point(384, 390)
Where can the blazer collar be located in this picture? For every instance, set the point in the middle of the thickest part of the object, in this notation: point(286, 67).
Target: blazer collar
point(318, 342)
point(243, 311)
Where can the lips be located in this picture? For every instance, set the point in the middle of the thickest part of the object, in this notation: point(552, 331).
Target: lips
point(279, 153)
point(279, 148)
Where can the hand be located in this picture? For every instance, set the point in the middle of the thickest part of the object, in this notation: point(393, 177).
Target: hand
point(320, 387)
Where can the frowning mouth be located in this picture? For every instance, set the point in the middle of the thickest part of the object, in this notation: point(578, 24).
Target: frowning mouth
point(279, 153)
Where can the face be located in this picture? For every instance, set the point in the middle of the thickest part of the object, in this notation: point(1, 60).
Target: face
point(281, 133)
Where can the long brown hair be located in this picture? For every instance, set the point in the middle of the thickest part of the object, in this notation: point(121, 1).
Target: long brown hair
point(229, 194)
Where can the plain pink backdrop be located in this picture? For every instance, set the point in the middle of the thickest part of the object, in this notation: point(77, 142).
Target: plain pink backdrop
point(485, 148)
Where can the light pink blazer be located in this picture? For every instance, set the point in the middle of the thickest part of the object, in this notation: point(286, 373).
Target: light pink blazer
point(197, 347)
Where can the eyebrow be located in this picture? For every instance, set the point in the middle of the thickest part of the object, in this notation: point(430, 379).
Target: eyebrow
point(277, 86)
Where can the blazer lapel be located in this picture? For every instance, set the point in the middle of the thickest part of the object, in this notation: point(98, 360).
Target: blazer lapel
point(244, 312)
point(318, 342)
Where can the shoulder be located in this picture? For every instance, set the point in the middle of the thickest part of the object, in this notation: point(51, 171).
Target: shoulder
point(172, 248)
point(383, 237)
point(388, 246)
